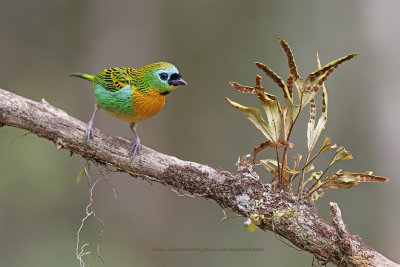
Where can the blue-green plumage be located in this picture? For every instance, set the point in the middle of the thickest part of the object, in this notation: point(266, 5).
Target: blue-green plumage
point(118, 102)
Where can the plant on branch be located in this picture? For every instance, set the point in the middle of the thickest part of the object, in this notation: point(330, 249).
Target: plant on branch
point(281, 120)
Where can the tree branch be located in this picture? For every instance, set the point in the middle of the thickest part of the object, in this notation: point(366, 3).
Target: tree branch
point(243, 193)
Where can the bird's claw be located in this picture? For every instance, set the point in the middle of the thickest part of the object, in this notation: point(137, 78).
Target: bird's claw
point(135, 147)
point(89, 132)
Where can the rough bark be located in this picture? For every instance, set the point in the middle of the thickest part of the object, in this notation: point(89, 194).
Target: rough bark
point(243, 192)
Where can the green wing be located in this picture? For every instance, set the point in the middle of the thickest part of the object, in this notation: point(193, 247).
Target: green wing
point(113, 79)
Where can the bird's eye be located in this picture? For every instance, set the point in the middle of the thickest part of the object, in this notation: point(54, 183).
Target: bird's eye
point(163, 76)
point(175, 76)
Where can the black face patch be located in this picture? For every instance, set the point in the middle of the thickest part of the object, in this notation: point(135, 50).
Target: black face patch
point(175, 76)
point(163, 76)
point(165, 93)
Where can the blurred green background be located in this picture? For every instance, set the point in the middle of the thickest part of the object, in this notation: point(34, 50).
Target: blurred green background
point(212, 43)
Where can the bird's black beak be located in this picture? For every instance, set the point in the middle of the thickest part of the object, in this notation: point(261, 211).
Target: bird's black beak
point(176, 82)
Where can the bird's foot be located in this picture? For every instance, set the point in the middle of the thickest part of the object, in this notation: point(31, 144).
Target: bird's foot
point(89, 132)
point(89, 127)
point(135, 147)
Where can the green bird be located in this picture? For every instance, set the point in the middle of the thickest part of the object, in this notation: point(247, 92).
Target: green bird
point(132, 94)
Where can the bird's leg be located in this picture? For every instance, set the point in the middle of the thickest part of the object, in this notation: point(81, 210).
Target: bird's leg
point(89, 127)
point(136, 144)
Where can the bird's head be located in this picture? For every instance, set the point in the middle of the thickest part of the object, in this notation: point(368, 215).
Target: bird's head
point(163, 76)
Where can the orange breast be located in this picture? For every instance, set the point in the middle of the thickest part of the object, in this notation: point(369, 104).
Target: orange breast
point(147, 104)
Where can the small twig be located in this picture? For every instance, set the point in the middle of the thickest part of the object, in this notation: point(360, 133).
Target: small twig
point(108, 182)
point(291, 128)
point(91, 187)
point(18, 137)
point(185, 194)
point(89, 212)
point(311, 190)
point(80, 251)
point(301, 186)
point(225, 216)
point(280, 174)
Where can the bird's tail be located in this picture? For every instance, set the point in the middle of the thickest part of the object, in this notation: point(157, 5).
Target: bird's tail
point(84, 76)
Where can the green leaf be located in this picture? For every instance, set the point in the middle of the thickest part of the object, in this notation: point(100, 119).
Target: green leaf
point(287, 213)
point(251, 228)
point(81, 172)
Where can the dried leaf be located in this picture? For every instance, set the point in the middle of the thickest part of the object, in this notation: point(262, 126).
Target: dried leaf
point(243, 88)
point(296, 79)
point(313, 133)
point(343, 180)
point(311, 124)
point(326, 145)
point(297, 160)
point(263, 145)
point(315, 176)
point(307, 95)
point(292, 171)
point(341, 154)
point(254, 115)
point(291, 62)
point(270, 164)
point(278, 80)
point(273, 112)
point(334, 64)
point(291, 115)
point(271, 130)
point(289, 83)
point(315, 196)
point(320, 82)
point(340, 180)
point(309, 168)
point(293, 110)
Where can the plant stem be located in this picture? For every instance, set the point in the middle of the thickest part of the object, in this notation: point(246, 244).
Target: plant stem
point(290, 132)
